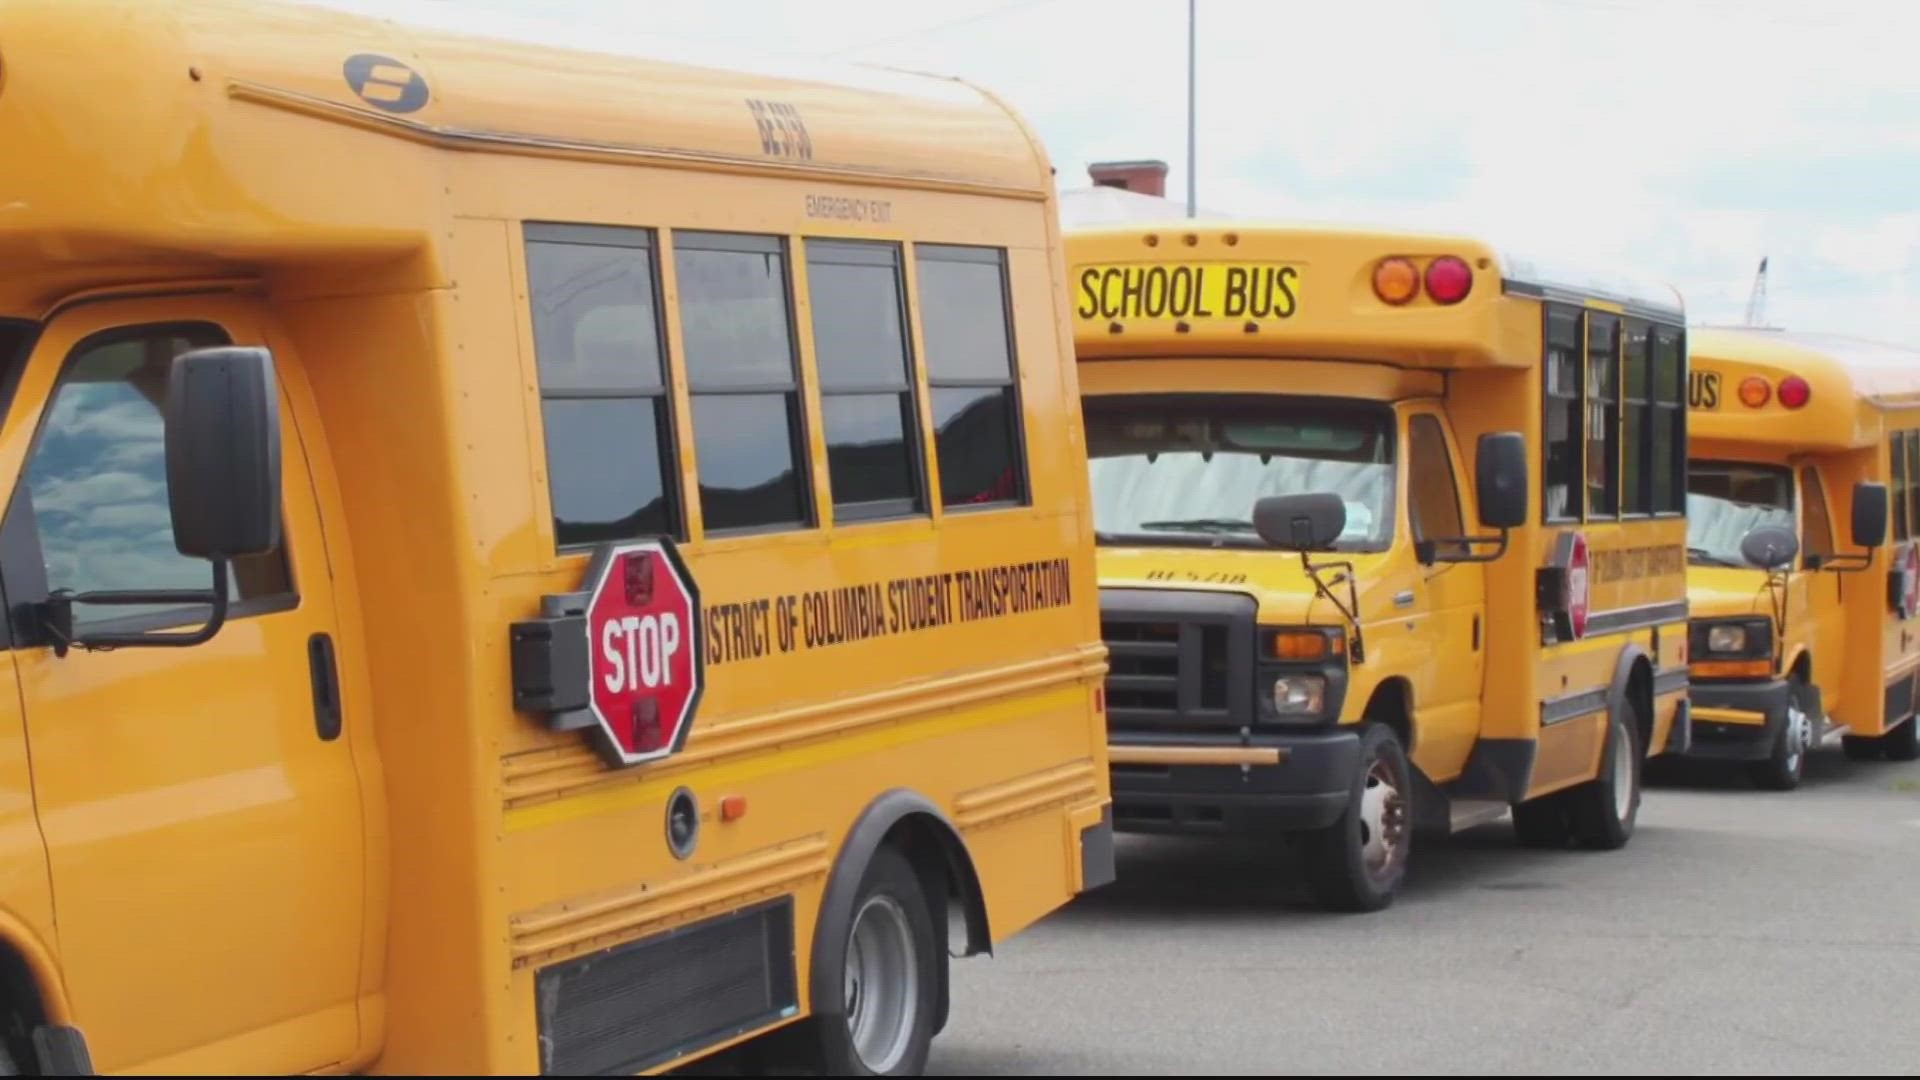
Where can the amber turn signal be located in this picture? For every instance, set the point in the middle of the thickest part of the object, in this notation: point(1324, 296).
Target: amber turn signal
point(1396, 280)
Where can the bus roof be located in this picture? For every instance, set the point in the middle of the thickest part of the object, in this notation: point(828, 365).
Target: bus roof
point(1851, 382)
point(1334, 263)
point(214, 125)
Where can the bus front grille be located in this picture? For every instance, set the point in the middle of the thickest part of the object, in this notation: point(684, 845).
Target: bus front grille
point(1178, 662)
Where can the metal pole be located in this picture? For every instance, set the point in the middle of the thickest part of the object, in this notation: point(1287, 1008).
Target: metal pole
point(1190, 85)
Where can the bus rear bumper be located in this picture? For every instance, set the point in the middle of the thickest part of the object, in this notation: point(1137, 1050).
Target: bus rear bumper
point(1285, 783)
point(1737, 721)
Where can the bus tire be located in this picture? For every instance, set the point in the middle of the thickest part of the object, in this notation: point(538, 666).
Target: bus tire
point(1542, 822)
point(1358, 862)
point(1603, 810)
point(890, 971)
point(1860, 747)
point(1784, 768)
point(1903, 742)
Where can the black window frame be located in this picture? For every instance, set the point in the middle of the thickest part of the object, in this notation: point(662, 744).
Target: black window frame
point(892, 255)
point(1016, 405)
point(23, 566)
point(1636, 487)
point(794, 390)
point(1605, 409)
point(1668, 416)
point(625, 238)
point(1897, 484)
point(1576, 481)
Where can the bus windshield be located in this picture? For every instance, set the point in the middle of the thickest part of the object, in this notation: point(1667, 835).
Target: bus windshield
point(1187, 469)
point(1726, 501)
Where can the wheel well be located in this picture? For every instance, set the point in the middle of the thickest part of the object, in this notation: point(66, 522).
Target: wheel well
point(1803, 666)
point(946, 876)
point(21, 1009)
point(1392, 705)
point(1640, 692)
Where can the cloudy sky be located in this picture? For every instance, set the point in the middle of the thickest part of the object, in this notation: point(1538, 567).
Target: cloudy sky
point(1686, 137)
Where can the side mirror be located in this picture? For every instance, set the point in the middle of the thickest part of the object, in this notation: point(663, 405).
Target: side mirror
point(1769, 547)
point(1869, 514)
point(1300, 522)
point(223, 452)
point(1500, 479)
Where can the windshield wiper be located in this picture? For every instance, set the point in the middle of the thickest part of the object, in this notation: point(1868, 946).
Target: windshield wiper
point(1708, 557)
point(1202, 524)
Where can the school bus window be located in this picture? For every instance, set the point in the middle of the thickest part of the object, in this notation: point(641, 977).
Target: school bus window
point(1433, 495)
point(1897, 455)
point(1636, 484)
point(97, 482)
point(1817, 533)
point(1562, 498)
point(965, 322)
point(1187, 469)
point(866, 388)
point(736, 331)
point(1727, 500)
point(1603, 415)
point(603, 391)
point(1912, 493)
point(1669, 423)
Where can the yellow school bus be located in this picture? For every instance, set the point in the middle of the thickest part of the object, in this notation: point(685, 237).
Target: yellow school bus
point(1800, 630)
point(1291, 434)
point(522, 560)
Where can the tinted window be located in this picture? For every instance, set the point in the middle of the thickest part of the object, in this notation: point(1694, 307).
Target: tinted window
point(1668, 419)
point(1816, 527)
point(1433, 493)
point(866, 387)
point(1636, 489)
point(737, 331)
point(1564, 488)
point(97, 479)
point(972, 375)
point(597, 345)
point(1603, 415)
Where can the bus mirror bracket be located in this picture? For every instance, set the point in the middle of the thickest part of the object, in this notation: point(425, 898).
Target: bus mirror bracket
point(1500, 482)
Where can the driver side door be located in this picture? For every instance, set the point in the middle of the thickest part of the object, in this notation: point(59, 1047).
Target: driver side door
point(199, 805)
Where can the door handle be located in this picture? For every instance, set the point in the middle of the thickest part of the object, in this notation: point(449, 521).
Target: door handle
point(326, 687)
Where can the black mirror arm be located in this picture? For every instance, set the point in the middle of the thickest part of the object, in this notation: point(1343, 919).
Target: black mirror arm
point(57, 615)
point(1428, 551)
point(1842, 562)
point(1356, 644)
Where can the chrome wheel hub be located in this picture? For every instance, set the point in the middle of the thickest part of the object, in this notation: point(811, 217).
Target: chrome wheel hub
point(1383, 821)
point(882, 981)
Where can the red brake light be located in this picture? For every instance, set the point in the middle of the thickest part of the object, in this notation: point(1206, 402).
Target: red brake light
point(1794, 391)
point(1449, 279)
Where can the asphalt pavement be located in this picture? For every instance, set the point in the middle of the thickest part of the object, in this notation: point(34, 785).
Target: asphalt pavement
point(1739, 931)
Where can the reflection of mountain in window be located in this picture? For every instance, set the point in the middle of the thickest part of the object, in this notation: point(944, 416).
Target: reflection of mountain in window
point(98, 481)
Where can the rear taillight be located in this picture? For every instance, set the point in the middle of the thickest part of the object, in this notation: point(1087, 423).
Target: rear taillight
point(1449, 279)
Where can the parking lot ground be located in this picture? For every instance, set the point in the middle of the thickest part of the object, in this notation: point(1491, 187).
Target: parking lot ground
point(1739, 931)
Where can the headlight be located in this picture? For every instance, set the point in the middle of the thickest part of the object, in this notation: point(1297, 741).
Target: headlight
point(1727, 639)
point(1300, 695)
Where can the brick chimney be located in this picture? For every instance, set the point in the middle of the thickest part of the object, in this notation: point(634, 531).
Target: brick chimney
point(1140, 177)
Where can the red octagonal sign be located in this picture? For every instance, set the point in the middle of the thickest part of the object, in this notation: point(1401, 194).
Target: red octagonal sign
point(644, 649)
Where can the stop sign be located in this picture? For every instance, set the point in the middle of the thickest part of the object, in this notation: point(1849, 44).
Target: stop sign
point(644, 649)
point(1578, 588)
point(1909, 569)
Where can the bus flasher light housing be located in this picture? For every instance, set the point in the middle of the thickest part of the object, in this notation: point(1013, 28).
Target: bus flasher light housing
point(1754, 391)
point(1794, 391)
point(1449, 279)
point(1396, 280)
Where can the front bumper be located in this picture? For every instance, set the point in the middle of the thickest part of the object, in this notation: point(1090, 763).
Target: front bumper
point(1738, 721)
point(1285, 783)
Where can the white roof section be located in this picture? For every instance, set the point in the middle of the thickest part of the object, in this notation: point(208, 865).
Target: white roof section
point(1092, 207)
point(626, 33)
